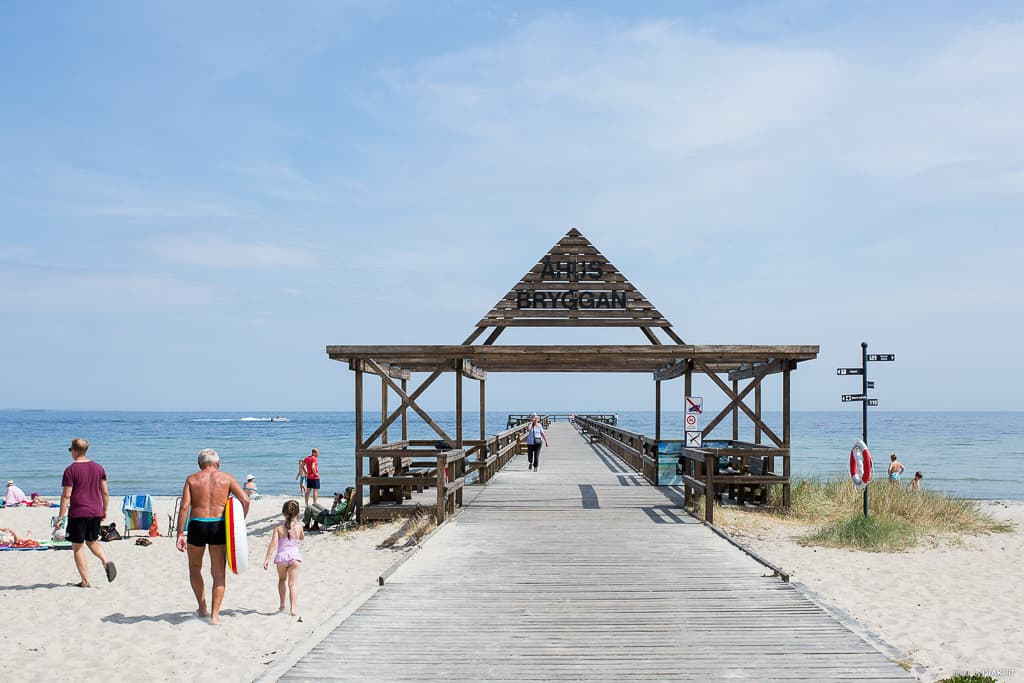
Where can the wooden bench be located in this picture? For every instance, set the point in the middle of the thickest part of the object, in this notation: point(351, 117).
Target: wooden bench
point(421, 472)
point(744, 493)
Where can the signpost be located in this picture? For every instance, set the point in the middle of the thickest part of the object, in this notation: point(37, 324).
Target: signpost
point(694, 409)
point(865, 357)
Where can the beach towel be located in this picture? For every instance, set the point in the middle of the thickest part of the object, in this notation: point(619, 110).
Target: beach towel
point(138, 513)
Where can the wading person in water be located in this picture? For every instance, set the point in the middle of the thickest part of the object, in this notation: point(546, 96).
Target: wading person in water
point(311, 468)
point(534, 436)
point(895, 470)
point(203, 500)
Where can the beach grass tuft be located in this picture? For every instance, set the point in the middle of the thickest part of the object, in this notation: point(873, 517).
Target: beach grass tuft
point(969, 678)
point(898, 518)
point(877, 534)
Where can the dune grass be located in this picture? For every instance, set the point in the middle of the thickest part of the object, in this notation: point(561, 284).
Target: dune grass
point(898, 518)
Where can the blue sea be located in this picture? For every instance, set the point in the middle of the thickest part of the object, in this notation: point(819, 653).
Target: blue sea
point(973, 455)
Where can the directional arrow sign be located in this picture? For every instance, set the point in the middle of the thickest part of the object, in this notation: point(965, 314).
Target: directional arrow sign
point(881, 356)
point(872, 401)
point(853, 397)
point(871, 384)
point(849, 371)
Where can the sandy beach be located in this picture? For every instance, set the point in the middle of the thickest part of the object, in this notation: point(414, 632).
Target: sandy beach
point(951, 607)
point(143, 623)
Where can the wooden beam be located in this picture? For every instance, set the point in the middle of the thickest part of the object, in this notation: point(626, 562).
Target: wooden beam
point(493, 336)
point(467, 368)
point(757, 411)
point(677, 368)
point(483, 410)
point(749, 371)
point(458, 406)
point(473, 335)
point(393, 370)
point(673, 336)
point(657, 411)
point(394, 416)
point(415, 406)
point(383, 408)
point(650, 335)
point(405, 416)
point(359, 443)
point(737, 399)
point(735, 412)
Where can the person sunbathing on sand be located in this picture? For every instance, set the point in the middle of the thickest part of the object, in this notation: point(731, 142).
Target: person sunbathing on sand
point(9, 536)
point(38, 501)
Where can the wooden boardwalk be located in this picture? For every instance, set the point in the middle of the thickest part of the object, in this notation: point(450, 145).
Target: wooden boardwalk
point(582, 571)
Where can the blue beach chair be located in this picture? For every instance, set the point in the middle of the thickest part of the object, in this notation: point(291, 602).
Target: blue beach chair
point(138, 513)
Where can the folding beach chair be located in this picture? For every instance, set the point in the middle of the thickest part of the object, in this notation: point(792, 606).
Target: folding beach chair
point(138, 513)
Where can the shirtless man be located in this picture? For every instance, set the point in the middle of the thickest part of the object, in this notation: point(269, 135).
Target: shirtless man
point(203, 499)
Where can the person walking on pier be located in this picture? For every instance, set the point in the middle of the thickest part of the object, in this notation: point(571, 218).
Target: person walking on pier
point(534, 436)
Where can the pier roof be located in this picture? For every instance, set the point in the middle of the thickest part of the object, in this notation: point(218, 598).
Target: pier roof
point(576, 358)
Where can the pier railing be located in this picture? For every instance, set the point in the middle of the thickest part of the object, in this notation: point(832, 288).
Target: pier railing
point(739, 469)
point(636, 450)
point(399, 470)
point(547, 418)
point(400, 473)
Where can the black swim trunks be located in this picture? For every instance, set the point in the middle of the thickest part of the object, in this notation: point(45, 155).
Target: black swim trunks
point(312, 484)
point(83, 529)
point(204, 532)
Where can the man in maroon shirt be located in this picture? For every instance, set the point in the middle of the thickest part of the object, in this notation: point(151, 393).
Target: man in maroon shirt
point(84, 501)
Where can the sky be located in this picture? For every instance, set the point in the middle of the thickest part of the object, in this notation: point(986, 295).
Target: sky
point(197, 198)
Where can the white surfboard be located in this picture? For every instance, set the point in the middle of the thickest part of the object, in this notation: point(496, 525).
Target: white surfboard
point(237, 544)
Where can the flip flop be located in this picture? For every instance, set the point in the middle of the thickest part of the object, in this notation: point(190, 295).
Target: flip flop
point(80, 584)
point(111, 571)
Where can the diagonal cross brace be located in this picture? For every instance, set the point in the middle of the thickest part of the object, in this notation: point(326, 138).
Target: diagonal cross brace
point(407, 400)
point(737, 400)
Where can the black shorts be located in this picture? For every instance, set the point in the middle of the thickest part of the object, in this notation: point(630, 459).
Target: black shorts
point(82, 529)
point(202, 533)
point(312, 483)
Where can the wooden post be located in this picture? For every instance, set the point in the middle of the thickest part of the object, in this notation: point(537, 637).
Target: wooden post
point(442, 485)
point(735, 412)
point(405, 415)
point(710, 463)
point(785, 431)
point(383, 408)
point(757, 411)
point(688, 382)
point(359, 446)
point(483, 410)
point(458, 403)
point(657, 410)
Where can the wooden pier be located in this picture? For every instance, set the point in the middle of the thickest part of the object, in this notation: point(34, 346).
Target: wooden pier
point(584, 571)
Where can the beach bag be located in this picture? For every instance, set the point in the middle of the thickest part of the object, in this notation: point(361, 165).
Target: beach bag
point(109, 532)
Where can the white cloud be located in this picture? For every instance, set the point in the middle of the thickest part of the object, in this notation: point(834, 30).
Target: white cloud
point(670, 129)
point(52, 291)
point(219, 252)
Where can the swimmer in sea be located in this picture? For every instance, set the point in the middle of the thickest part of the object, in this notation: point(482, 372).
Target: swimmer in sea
point(895, 470)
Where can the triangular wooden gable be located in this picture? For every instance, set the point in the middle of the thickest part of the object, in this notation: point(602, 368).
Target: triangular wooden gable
point(574, 285)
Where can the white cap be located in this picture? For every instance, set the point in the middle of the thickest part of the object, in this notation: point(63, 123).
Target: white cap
point(251, 476)
point(10, 482)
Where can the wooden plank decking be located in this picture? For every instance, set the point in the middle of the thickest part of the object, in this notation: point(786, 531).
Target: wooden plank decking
point(582, 571)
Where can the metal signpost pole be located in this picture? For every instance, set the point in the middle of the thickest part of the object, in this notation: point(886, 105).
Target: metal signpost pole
point(864, 407)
